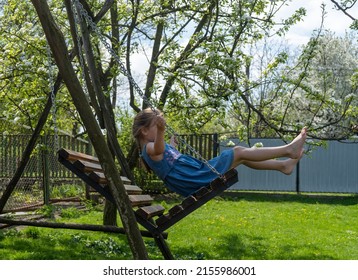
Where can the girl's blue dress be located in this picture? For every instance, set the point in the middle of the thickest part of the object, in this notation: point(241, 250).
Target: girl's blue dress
point(185, 174)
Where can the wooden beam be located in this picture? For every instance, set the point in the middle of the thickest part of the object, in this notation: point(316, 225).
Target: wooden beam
point(88, 227)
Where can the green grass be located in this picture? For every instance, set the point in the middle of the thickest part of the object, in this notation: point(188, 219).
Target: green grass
point(258, 227)
point(272, 228)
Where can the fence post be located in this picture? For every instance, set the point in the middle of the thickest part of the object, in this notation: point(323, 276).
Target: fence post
point(88, 147)
point(45, 171)
point(298, 178)
point(215, 144)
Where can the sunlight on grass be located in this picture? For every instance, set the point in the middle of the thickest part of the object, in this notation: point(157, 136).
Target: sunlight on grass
point(269, 230)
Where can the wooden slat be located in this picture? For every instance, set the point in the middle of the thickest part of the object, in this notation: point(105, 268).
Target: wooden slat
point(175, 210)
point(201, 192)
point(86, 166)
point(163, 219)
point(148, 212)
point(125, 180)
point(230, 177)
point(133, 189)
point(188, 201)
point(140, 200)
point(73, 156)
point(98, 177)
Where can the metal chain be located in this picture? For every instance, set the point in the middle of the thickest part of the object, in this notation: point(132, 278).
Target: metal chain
point(124, 71)
point(53, 98)
point(79, 44)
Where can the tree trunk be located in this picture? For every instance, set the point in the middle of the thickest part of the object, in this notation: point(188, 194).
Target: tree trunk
point(59, 49)
point(109, 214)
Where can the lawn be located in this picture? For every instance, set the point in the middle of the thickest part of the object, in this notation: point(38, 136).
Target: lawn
point(255, 226)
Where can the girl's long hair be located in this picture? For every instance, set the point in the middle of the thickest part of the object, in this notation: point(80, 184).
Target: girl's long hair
point(143, 120)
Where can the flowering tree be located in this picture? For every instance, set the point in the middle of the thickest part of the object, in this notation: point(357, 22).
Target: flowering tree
point(316, 88)
point(198, 59)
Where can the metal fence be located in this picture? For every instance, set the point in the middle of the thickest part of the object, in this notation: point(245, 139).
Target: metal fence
point(43, 171)
point(207, 145)
point(333, 169)
point(330, 169)
point(45, 178)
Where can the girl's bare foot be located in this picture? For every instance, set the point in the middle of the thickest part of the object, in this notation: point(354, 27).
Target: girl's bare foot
point(295, 150)
point(289, 164)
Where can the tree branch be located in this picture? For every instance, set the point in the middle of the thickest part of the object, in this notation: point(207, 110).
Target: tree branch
point(344, 10)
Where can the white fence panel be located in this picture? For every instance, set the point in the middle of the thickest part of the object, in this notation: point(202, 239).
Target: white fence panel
point(332, 169)
point(326, 170)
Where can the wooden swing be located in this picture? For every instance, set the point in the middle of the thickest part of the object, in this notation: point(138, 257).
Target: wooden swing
point(152, 217)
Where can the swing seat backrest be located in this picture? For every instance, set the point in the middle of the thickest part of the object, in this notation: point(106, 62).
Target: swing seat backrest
point(88, 168)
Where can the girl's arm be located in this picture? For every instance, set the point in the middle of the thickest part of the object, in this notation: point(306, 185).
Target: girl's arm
point(156, 149)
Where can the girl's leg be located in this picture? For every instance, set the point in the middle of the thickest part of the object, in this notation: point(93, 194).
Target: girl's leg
point(284, 166)
point(293, 150)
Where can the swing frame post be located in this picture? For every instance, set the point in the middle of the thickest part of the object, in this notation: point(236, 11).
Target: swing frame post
point(46, 174)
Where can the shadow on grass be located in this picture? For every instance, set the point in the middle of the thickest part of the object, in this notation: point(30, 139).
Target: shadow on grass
point(78, 247)
point(62, 247)
point(243, 247)
point(68, 245)
point(237, 246)
point(27, 249)
point(344, 200)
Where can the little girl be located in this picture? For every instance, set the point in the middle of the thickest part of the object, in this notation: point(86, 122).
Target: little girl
point(184, 174)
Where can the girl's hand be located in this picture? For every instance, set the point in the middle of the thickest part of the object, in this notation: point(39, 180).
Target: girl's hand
point(174, 141)
point(161, 123)
point(156, 148)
